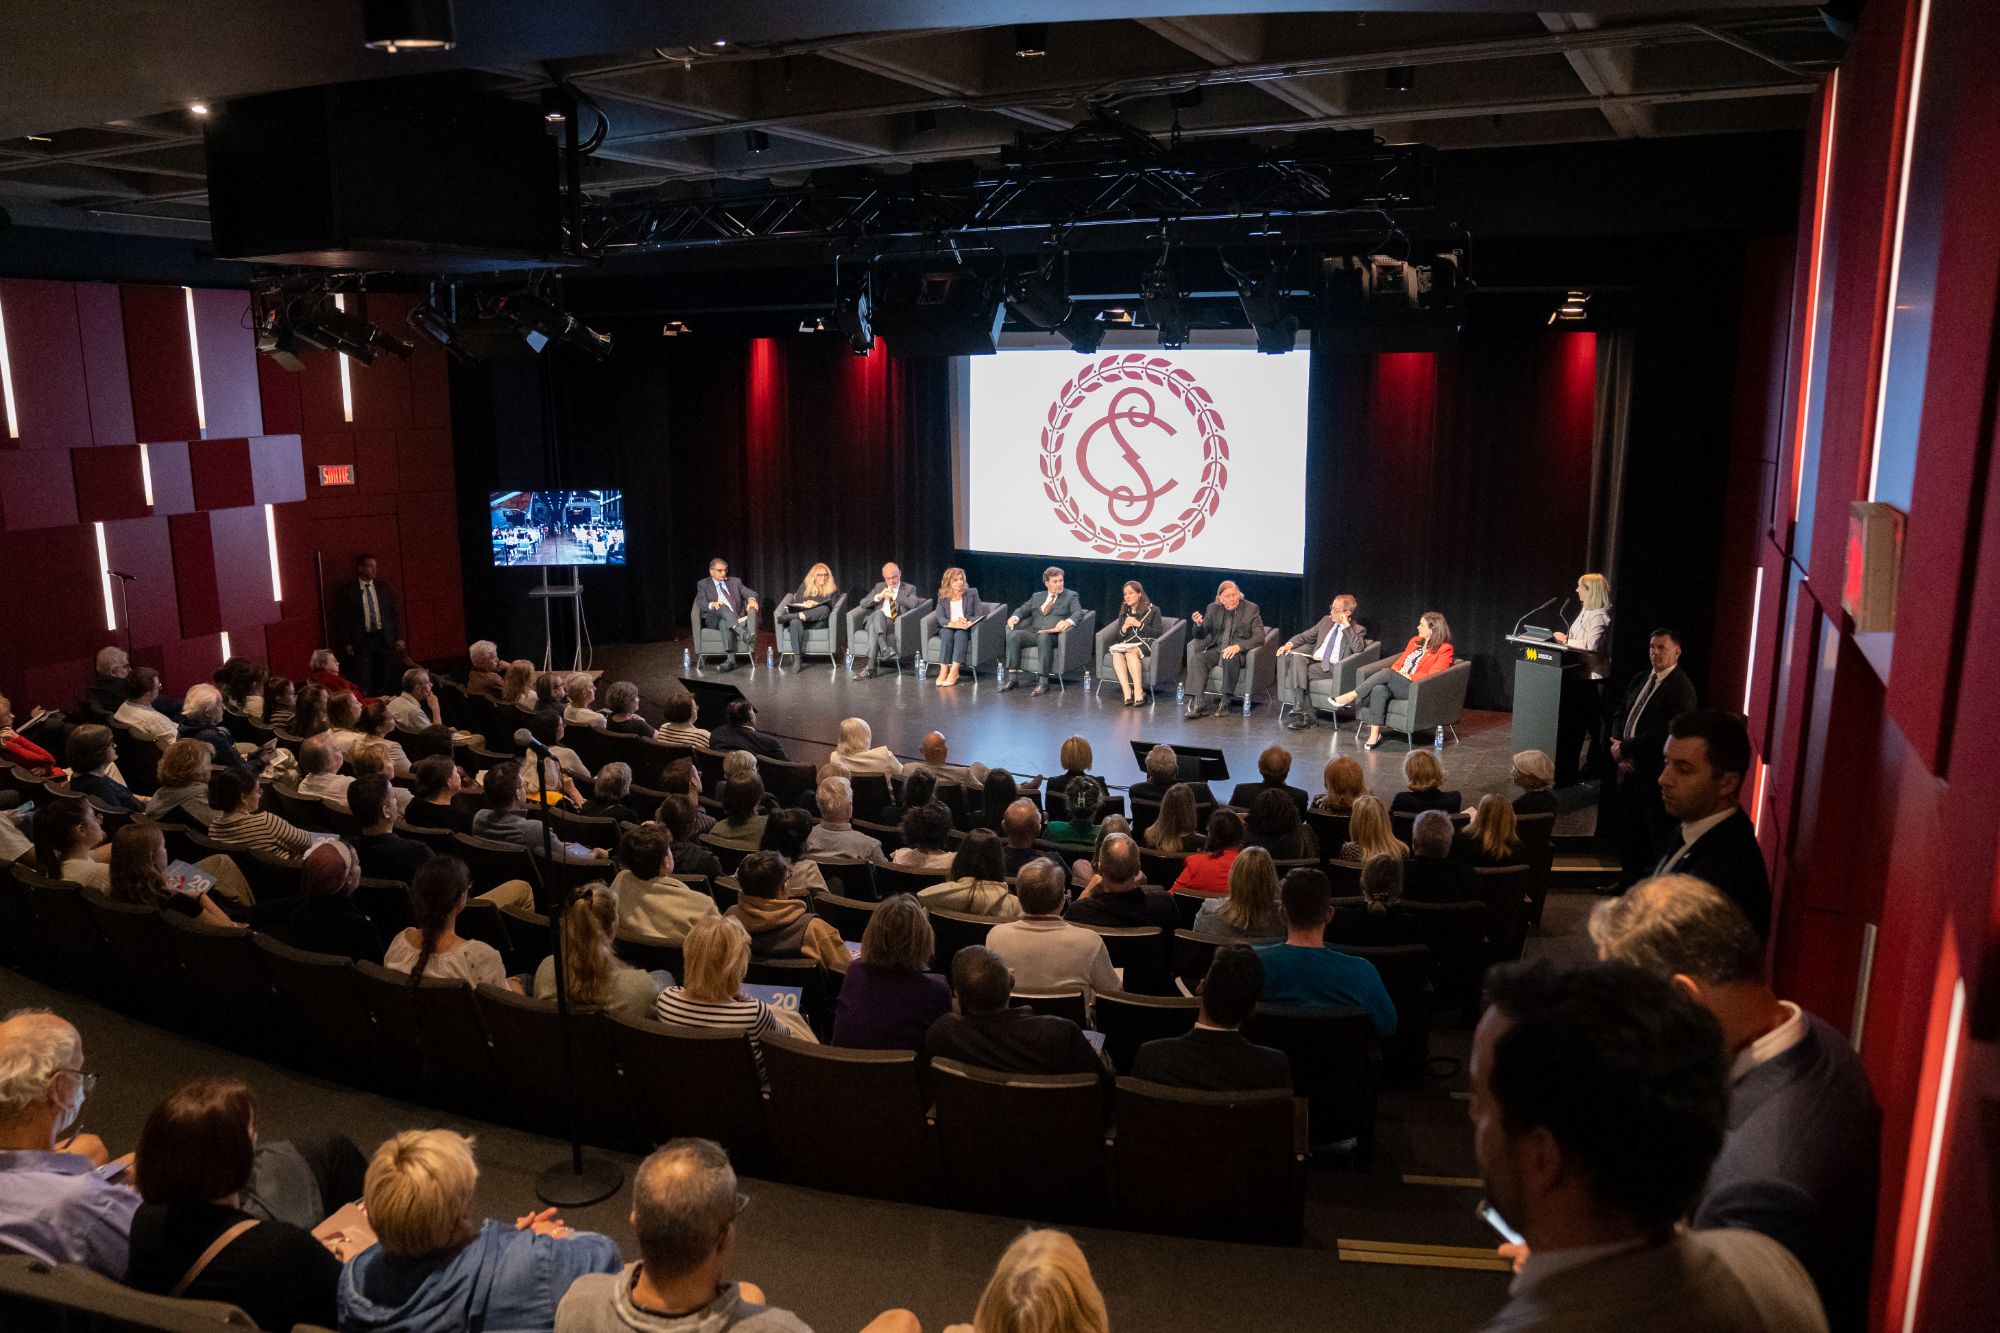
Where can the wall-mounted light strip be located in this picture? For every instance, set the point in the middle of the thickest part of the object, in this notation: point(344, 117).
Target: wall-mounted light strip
point(194, 356)
point(7, 382)
point(146, 474)
point(1756, 614)
point(271, 542)
point(104, 577)
point(1896, 250)
point(1757, 799)
point(1931, 1156)
point(346, 382)
point(226, 654)
point(1823, 189)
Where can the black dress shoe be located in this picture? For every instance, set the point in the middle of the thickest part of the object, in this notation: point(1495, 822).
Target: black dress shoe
point(1041, 688)
point(1006, 683)
point(1195, 709)
point(728, 664)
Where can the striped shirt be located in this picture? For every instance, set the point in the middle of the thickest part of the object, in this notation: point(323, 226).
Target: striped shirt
point(679, 733)
point(260, 831)
point(739, 1015)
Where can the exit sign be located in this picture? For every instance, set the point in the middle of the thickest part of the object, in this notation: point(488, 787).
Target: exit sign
point(336, 474)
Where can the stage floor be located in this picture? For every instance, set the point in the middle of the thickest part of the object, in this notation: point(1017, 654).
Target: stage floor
point(1025, 734)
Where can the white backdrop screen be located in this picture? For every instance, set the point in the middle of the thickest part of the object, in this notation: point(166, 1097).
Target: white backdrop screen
point(1191, 457)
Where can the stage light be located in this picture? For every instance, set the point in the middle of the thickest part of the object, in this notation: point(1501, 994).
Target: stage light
point(436, 325)
point(814, 325)
point(1399, 78)
point(673, 328)
point(198, 108)
point(330, 327)
point(1083, 329)
point(1262, 295)
point(407, 25)
point(756, 141)
point(1031, 40)
point(542, 324)
point(720, 41)
point(1164, 311)
point(854, 316)
point(1118, 315)
point(1036, 299)
point(1574, 308)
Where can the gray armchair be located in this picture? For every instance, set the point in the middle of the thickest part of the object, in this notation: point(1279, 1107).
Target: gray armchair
point(1169, 649)
point(715, 642)
point(903, 639)
point(989, 638)
point(1435, 701)
point(1322, 691)
point(822, 640)
point(1259, 675)
point(1071, 652)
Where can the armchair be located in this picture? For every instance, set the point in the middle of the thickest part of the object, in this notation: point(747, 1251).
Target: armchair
point(1259, 674)
point(823, 639)
point(904, 636)
point(1323, 690)
point(718, 643)
point(1072, 650)
point(1435, 701)
point(989, 637)
point(1170, 649)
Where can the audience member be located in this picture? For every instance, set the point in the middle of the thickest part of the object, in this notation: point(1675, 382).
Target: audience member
point(1076, 759)
point(279, 701)
point(1535, 774)
point(436, 1267)
point(1275, 825)
point(926, 830)
point(1425, 776)
point(1215, 1056)
point(1707, 758)
point(1081, 799)
point(433, 742)
point(517, 685)
point(835, 834)
point(678, 727)
point(240, 824)
point(580, 710)
point(1432, 874)
point(857, 749)
point(782, 927)
point(432, 946)
point(54, 1204)
point(191, 1235)
point(70, 845)
point(976, 882)
point(1118, 894)
point(742, 813)
point(1163, 770)
point(1172, 831)
point(107, 692)
point(739, 732)
point(21, 752)
point(91, 752)
point(1020, 828)
point(996, 793)
point(139, 876)
point(384, 853)
point(680, 817)
point(183, 791)
point(1377, 923)
point(1084, 868)
point(1598, 1101)
point(437, 783)
point(652, 903)
point(1369, 832)
point(1274, 765)
point(1302, 973)
point(1208, 870)
point(560, 770)
point(1343, 782)
point(785, 833)
point(936, 752)
point(1489, 838)
point(552, 691)
point(309, 714)
point(621, 703)
point(343, 718)
point(201, 720)
point(325, 672)
point(610, 792)
point(592, 970)
point(1250, 911)
point(1047, 953)
point(504, 820)
point(920, 788)
point(891, 997)
point(716, 958)
point(324, 918)
point(488, 670)
point(1800, 1150)
point(1041, 1285)
point(417, 706)
point(319, 772)
point(984, 1031)
point(137, 713)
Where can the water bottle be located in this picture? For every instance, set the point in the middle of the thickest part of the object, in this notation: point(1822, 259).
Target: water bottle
point(687, 659)
point(850, 657)
point(1437, 741)
point(922, 667)
point(1086, 680)
point(1246, 705)
point(770, 657)
point(1180, 692)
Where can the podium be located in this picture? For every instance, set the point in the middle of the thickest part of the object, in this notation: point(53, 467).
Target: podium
point(1549, 715)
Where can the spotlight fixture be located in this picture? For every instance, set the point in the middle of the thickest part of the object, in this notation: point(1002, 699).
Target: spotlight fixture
point(1262, 295)
point(813, 325)
point(407, 25)
point(541, 325)
point(720, 42)
point(1164, 311)
point(197, 108)
point(1031, 40)
point(854, 316)
point(321, 324)
point(1574, 309)
point(1118, 316)
point(673, 328)
point(1037, 300)
point(756, 140)
point(433, 322)
point(1399, 78)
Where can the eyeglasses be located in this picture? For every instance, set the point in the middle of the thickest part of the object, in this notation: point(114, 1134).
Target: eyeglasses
point(88, 1080)
point(742, 1202)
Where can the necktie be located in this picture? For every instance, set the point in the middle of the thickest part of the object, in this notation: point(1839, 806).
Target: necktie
point(1048, 602)
point(372, 619)
point(722, 595)
point(1326, 650)
point(1639, 706)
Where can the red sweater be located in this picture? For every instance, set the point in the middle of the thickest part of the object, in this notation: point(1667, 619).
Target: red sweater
point(18, 750)
point(1206, 872)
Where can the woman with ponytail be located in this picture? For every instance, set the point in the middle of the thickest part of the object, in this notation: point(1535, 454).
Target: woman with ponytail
point(69, 844)
point(432, 947)
point(594, 973)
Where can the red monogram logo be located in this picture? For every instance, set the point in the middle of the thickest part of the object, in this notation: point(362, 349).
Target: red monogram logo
point(1110, 457)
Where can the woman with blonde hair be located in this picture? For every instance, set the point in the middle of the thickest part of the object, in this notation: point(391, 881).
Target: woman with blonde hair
point(1592, 625)
point(183, 789)
point(1076, 760)
point(1173, 829)
point(800, 611)
point(1251, 912)
point(517, 686)
point(1137, 624)
point(858, 750)
point(957, 608)
point(1425, 776)
point(1535, 774)
point(1491, 838)
point(1343, 782)
point(890, 996)
point(715, 958)
point(593, 972)
point(1042, 1284)
point(1426, 654)
point(1369, 832)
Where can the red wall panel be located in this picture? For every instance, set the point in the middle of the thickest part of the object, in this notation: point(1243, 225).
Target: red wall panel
point(423, 460)
point(290, 644)
point(109, 483)
point(241, 543)
point(37, 490)
point(194, 574)
point(45, 354)
point(375, 462)
point(319, 392)
point(173, 477)
point(190, 661)
point(228, 364)
point(144, 547)
point(278, 390)
point(63, 602)
point(160, 363)
point(101, 323)
point(222, 478)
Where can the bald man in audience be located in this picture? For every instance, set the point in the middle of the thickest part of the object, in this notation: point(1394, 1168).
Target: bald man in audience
point(1020, 826)
point(936, 754)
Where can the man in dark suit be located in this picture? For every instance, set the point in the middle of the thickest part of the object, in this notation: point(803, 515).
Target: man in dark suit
point(1800, 1152)
point(1707, 757)
point(1638, 743)
point(739, 732)
point(1224, 634)
point(1311, 656)
point(1431, 875)
point(1215, 1056)
point(1273, 767)
point(368, 628)
point(1038, 621)
point(984, 1031)
point(728, 606)
point(888, 601)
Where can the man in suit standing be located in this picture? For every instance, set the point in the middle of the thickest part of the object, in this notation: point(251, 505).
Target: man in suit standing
point(1638, 743)
point(728, 606)
point(1599, 1096)
point(1799, 1157)
point(1215, 1056)
point(1707, 757)
point(888, 601)
point(1223, 634)
point(368, 627)
point(1312, 655)
point(1038, 621)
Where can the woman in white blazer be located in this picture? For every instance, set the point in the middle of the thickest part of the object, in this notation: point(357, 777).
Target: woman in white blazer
point(857, 749)
point(1590, 632)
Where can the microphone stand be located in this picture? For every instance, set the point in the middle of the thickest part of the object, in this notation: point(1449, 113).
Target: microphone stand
point(580, 1181)
point(125, 607)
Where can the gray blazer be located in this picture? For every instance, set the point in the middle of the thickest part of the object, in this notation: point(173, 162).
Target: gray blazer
point(1309, 641)
point(907, 598)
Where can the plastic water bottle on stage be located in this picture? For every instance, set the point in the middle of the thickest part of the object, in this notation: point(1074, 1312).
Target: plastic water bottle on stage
point(770, 657)
point(1180, 692)
point(687, 659)
point(1246, 705)
point(1437, 741)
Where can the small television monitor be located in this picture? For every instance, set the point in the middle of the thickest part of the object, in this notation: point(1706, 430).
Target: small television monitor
point(558, 527)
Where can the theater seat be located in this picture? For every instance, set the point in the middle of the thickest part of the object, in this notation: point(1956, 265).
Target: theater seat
point(317, 990)
point(1334, 1067)
point(685, 1082)
point(988, 638)
point(1258, 675)
point(230, 996)
point(850, 1121)
point(955, 931)
point(1023, 1145)
point(75, 1299)
point(529, 1089)
point(1071, 1004)
point(1169, 652)
point(849, 916)
point(1130, 1021)
point(1168, 1182)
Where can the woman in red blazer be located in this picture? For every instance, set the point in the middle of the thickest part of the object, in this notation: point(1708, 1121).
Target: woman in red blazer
point(1426, 654)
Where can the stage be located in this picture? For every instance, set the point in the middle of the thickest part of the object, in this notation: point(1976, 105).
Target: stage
point(1024, 734)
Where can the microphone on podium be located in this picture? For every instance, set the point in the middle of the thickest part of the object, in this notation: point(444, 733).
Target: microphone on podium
point(1524, 617)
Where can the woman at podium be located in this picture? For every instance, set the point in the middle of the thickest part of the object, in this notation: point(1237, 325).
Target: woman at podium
point(1590, 632)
